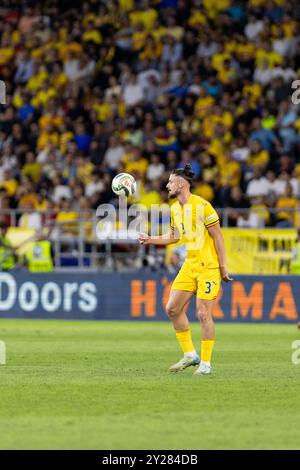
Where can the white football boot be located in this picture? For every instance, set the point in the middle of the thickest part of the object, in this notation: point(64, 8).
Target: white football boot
point(185, 362)
point(203, 369)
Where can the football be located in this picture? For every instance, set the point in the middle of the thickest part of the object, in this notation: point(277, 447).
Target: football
point(123, 185)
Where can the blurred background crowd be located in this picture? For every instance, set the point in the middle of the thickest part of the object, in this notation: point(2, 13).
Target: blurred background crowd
point(94, 88)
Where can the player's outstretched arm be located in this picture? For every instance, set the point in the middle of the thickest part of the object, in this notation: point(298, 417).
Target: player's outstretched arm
point(215, 232)
point(170, 237)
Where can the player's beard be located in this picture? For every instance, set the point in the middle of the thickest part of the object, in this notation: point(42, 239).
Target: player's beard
point(173, 195)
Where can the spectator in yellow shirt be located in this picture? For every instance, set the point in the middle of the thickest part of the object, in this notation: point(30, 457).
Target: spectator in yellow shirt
point(136, 163)
point(139, 37)
point(260, 209)
point(67, 219)
point(26, 193)
point(146, 17)
point(32, 168)
point(9, 183)
point(226, 73)
point(49, 135)
point(257, 157)
point(204, 190)
point(6, 54)
point(58, 79)
point(39, 75)
point(152, 49)
point(288, 204)
point(230, 172)
point(265, 52)
point(92, 34)
point(42, 204)
point(150, 194)
point(203, 103)
point(84, 169)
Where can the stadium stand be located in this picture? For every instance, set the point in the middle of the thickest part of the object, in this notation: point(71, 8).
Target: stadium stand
point(99, 87)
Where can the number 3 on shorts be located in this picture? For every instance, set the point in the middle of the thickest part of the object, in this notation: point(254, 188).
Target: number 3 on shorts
point(208, 288)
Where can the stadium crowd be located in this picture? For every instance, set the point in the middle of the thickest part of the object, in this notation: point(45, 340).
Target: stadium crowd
point(98, 87)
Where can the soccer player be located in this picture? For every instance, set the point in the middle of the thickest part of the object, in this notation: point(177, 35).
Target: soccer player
point(195, 222)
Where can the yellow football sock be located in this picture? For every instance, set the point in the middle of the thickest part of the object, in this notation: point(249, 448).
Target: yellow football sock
point(207, 346)
point(185, 340)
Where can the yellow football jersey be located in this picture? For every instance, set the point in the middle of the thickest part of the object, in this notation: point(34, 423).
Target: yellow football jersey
point(192, 222)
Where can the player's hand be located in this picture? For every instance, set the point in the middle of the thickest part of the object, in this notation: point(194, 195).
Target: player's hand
point(144, 238)
point(225, 275)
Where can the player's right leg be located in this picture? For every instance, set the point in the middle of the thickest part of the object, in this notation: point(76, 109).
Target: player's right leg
point(176, 309)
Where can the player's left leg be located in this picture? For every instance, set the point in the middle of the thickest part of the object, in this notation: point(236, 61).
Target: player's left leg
point(204, 315)
point(208, 287)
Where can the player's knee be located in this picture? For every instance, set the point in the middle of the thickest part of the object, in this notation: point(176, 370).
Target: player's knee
point(172, 310)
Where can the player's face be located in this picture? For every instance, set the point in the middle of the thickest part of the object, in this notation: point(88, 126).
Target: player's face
point(173, 186)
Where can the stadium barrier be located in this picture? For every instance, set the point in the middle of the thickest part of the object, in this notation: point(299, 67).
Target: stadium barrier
point(264, 250)
point(141, 296)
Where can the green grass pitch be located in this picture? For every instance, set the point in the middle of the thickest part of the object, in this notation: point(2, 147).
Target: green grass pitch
point(105, 385)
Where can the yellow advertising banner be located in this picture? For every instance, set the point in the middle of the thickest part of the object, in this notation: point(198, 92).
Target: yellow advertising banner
point(254, 251)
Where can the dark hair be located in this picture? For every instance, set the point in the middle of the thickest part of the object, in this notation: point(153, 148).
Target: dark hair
point(185, 173)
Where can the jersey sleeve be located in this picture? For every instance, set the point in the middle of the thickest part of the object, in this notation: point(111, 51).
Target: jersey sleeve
point(210, 216)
